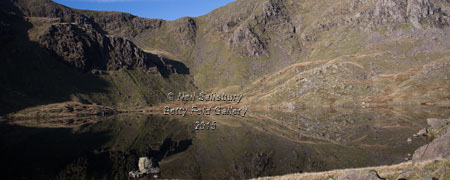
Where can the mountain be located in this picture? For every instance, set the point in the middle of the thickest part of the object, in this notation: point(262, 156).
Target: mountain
point(51, 54)
point(277, 52)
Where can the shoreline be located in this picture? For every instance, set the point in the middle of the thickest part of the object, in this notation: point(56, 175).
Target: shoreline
point(76, 109)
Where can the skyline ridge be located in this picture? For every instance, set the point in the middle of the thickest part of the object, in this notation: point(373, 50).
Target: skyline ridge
point(155, 9)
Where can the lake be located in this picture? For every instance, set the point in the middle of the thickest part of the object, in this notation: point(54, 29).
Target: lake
point(263, 143)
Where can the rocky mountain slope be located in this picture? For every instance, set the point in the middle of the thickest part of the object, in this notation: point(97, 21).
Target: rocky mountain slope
point(338, 53)
point(279, 52)
point(239, 42)
point(359, 52)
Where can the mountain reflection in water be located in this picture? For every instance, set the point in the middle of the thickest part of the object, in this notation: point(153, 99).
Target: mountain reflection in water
point(261, 144)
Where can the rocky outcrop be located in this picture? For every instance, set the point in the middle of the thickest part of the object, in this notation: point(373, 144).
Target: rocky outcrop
point(388, 14)
point(81, 43)
point(245, 37)
point(391, 10)
point(419, 11)
point(85, 49)
point(185, 31)
point(275, 18)
point(251, 35)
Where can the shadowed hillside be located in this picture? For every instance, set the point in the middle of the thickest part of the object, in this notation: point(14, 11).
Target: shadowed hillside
point(59, 55)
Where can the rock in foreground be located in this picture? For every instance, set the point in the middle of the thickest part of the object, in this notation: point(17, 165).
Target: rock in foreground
point(438, 149)
point(360, 175)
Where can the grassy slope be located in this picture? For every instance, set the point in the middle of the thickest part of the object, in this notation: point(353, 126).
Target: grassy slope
point(439, 169)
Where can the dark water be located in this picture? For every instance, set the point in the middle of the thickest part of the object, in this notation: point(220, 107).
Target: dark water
point(261, 144)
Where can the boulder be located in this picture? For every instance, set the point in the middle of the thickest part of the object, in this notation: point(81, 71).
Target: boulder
point(360, 175)
point(439, 148)
point(144, 164)
point(422, 132)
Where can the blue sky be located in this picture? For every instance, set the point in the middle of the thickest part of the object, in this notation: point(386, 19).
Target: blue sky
point(163, 9)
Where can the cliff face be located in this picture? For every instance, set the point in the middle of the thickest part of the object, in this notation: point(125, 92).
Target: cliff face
point(85, 49)
point(83, 42)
